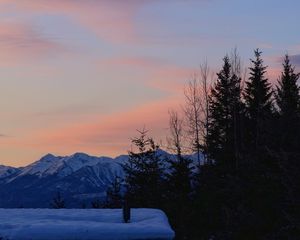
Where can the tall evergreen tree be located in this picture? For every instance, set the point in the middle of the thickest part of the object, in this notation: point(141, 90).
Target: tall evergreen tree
point(144, 173)
point(288, 102)
point(258, 101)
point(288, 150)
point(225, 107)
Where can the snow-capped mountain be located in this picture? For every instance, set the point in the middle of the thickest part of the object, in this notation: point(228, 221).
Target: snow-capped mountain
point(80, 178)
point(6, 171)
point(74, 176)
point(62, 166)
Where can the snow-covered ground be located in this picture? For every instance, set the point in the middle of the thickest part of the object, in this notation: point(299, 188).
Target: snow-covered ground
point(82, 224)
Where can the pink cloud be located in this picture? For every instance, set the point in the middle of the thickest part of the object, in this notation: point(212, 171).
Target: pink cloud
point(20, 41)
point(275, 66)
point(157, 73)
point(171, 78)
point(137, 62)
point(110, 20)
point(273, 73)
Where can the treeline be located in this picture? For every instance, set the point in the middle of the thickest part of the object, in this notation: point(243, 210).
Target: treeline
point(245, 136)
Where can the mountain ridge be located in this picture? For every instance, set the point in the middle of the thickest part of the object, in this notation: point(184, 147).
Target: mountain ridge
point(80, 178)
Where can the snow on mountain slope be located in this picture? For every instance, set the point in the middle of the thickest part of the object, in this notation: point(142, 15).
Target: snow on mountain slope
point(6, 171)
point(102, 173)
point(62, 166)
point(75, 175)
point(75, 162)
point(92, 179)
point(41, 166)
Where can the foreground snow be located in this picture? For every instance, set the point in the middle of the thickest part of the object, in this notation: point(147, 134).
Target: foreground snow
point(82, 224)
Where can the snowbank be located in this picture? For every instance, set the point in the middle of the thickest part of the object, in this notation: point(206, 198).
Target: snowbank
point(82, 224)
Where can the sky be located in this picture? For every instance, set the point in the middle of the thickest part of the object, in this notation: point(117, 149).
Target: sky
point(84, 75)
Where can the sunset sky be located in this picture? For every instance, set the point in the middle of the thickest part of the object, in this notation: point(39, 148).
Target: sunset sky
point(83, 75)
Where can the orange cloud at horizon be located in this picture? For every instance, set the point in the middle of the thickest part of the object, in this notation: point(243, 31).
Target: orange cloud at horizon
point(104, 135)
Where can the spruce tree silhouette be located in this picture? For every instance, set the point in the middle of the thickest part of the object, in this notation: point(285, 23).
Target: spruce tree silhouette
point(144, 173)
point(259, 106)
point(288, 101)
point(224, 106)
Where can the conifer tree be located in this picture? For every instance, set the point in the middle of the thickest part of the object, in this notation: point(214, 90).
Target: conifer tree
point(288, 153)
point(144, 173)
point(288, 102)
point(258, 101)
point(224, 106)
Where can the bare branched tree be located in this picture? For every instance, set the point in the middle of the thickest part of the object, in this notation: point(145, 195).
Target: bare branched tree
point(240, 72)
point(237, 66)
point(176, 138)
point(193, 111)
point(236, 63)
point(206, 80)
point(196, 109)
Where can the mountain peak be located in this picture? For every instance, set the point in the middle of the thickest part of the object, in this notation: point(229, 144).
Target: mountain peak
point(48, 157)
point(80, 155)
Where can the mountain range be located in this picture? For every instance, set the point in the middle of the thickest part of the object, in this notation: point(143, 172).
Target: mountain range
point(80, 178)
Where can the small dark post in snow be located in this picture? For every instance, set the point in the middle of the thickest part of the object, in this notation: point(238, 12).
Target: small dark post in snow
point(126, 207)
